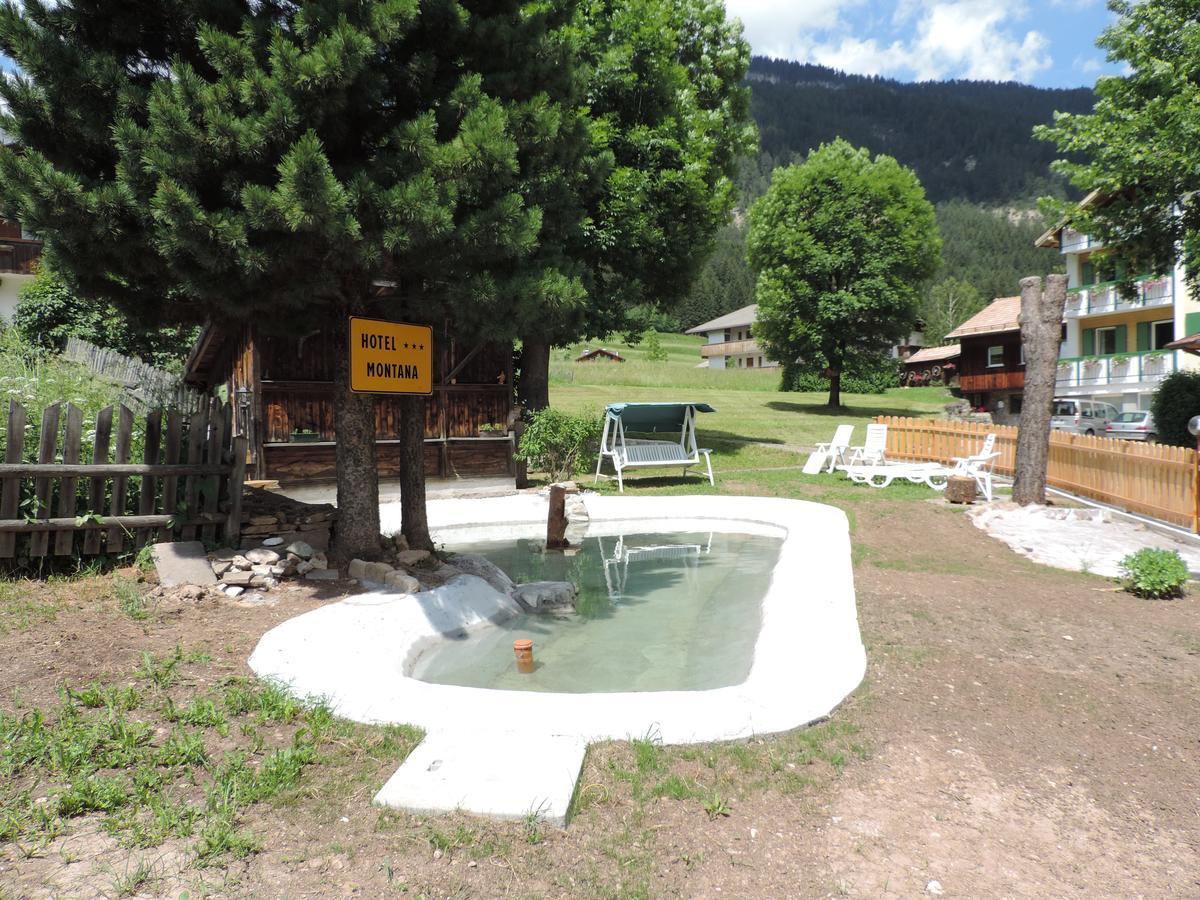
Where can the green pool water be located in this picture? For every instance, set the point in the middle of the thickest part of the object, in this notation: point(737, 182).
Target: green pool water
point(656, 612)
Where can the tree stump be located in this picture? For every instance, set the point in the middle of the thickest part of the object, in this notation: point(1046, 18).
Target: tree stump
point(961, 489)
point(556, 521)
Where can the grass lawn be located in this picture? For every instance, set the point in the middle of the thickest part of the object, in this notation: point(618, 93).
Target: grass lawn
point(750, 407)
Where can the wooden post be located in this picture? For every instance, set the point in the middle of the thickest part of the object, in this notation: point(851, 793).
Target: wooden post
point(556, 521)
point(237, 478)
point(47, 443)
point(91, 541)
point(115, 541)
point(64, 540)
point(10, 502)
point(148, 498)
point(1041, 333)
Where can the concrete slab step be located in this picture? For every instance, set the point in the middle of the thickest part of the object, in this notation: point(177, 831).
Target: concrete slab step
point(503, 775)
point(182, 562)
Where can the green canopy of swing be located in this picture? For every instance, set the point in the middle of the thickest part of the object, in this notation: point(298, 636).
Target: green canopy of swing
point(651, 417)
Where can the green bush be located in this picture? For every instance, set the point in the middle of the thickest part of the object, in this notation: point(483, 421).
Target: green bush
point(555, 442)
point(1176, 400)
point(1156, 574)
point(869, 379)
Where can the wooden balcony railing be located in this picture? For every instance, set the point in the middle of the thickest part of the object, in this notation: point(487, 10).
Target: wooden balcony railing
point(729, 348)
point(992, 381)
point(19, 256)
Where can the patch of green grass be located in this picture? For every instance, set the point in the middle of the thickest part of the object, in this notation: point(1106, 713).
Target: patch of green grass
point(201, 711)
point(23, 605)
point(677, 787)
point(161, 673)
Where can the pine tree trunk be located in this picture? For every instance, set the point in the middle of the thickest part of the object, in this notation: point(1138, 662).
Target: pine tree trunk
point(533, 387)
point(414, 521)
point(1041, 334)
point(357, 531)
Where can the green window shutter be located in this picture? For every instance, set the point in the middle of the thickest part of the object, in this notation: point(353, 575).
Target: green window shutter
point(1088, 275)
point(1143, 336)
point(1089, 341)
point(1122, 339)
point(1191, 323)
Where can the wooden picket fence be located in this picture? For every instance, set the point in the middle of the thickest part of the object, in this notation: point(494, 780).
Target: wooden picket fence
point(145, 385)
point(1150, 479)
point(188, 484)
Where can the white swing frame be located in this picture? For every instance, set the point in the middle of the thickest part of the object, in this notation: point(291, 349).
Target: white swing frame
point(634, 453)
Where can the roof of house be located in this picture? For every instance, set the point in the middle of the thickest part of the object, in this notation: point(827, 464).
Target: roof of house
point(934, 354)
point(600, 351)
point(1189, 344)
point(736, 319)
point(1051, 236)
point(1002, 314)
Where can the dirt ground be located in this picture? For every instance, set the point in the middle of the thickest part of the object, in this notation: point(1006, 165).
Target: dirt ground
point(1021, 732)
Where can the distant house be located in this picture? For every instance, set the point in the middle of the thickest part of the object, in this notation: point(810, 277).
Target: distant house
point(19, 254)
point(730, 344)
point(991, 368)
point(600, 353)
point(932, 365)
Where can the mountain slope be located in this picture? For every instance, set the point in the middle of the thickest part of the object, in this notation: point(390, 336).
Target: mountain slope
point(967, 140)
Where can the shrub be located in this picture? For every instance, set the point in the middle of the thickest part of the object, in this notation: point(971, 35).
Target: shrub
point(1176, 400)
point(1156, 574)
point(655, 352)
point(555, 441)
point(873, 378)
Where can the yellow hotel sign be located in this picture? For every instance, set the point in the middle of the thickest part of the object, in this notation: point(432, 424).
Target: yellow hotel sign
point(390, 357)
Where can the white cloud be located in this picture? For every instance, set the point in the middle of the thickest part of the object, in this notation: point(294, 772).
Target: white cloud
point(1089, 65)
point(944, 38)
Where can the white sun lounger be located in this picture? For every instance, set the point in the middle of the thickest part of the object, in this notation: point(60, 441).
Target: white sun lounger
point(933, 475)
point(872, 452)
point(829, 455)
point(979, 466)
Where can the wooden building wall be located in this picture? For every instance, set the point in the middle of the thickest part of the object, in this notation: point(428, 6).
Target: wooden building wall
point(291, 392)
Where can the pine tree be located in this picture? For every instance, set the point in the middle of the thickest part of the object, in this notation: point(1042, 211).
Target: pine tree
point(274, 162)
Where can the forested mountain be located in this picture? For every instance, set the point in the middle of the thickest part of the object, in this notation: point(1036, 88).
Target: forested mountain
point(968, 140)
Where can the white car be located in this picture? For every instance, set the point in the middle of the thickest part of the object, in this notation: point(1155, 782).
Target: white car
point(1133, 426)
point(1089, 417)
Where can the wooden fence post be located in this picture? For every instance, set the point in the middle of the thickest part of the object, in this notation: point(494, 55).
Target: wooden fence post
point(47, 443)
point(10, 501)
point(64, 540)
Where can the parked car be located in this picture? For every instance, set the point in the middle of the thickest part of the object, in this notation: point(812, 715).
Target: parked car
point(1082, 416)
point(1133, 426)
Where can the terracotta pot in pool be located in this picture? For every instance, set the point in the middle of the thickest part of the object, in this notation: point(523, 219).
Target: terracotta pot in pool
point(524, 652)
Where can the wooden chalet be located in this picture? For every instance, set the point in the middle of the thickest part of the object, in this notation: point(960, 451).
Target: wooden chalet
point(931, 365)
point(281, 389)
point(991, 366)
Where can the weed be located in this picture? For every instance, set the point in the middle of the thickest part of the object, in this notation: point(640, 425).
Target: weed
point(134, 880)
point(531, 824)
point(220, 838)
point(144, 560)
point(201, 712)
point(677, 788)
point(161, 672)
point(129, 598)
point(182, 748)
point(716, 806)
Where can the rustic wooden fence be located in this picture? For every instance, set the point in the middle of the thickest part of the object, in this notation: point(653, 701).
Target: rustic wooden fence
point(147, 386)
point(1150, 479)
point(188, 484)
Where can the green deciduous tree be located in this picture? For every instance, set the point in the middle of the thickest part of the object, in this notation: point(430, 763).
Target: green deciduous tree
point(945, 306)
point(279, 161)
point(667, 118)
point(49, 312)
point(1139, 143)
point(841, 246)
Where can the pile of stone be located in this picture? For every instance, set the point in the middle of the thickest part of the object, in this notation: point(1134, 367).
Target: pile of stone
point(267, 515)
point(961, 411)
point(264, 567)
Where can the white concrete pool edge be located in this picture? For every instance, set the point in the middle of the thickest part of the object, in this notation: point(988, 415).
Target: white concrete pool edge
point(808, 657)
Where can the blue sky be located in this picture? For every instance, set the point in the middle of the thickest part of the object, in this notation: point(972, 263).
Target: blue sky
point(1050, 43)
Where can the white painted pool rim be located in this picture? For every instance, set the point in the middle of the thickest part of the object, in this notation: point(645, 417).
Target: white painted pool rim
point(808, 656)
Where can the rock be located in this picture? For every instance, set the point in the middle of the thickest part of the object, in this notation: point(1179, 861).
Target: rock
point(281, 570)
point(240, 562)
point(402, 581)
point(304, 567)
point(272, 542)
point(256, 600)
point(358, 567)
point(233, 590)
point(377, 572)
point(935, 888)
point(411, 557)
point(400, 541)
point(221, 566)
point(236, 576)
point(263, 581)
point(481, 567)
point(539, 595)
point(262, 556)
point(262, 570)
point(182, 562)
point(263, 520)
point(322, 575)
point(301, 549)
point(320, 561)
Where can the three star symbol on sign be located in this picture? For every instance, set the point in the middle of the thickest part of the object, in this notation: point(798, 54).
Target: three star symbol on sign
point(415, 346)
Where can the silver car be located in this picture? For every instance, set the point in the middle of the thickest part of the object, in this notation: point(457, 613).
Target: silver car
point(1082, 416)
point(1133, 426)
